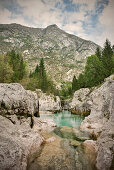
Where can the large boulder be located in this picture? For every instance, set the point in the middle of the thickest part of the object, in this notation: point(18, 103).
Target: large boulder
point(17, 142)
point(15, 99)
point(80, 103)
point(100, 123)
point(19, 134)
point(48, 102)
point(102, 101)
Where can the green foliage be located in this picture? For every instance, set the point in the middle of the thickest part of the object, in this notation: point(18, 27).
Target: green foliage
point(12, 67)
point(107, 58)
point(75, 85)
point(18, 66)
point(94, 71)
point(66, 90)
point(98, 53)
point(40, 80)
point(81, 80)
point(6, 70)
point(98, 67)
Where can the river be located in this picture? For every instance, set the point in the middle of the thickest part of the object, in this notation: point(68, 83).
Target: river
point(65, 118)
point(63, 148)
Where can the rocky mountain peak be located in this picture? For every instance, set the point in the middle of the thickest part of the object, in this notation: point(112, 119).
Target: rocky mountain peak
point(64, 54)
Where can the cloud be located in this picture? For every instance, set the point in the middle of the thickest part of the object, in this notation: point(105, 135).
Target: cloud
point(87, 4)
point(5, 16)
point(88, 19)
point(107, 21)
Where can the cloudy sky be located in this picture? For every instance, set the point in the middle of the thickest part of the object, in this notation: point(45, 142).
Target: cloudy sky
point(88, 19)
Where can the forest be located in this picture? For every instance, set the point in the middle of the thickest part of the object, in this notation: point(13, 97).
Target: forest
point(13, 69)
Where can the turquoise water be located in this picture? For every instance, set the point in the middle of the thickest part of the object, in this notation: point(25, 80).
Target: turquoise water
point(65, 118)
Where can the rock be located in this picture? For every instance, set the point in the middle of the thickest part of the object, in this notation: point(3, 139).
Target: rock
point(48, 102)
point(71, 133)
point(14, 97)
point(102, 99)
point(75, 143)
point(105, 143)
point(86, 155)
point(80, 104)
point(100, 123)
point(51, 139)
point(18, 141)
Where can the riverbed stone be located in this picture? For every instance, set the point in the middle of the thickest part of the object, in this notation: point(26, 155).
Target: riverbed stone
point(86, 155)
point(80, 104)
point(100, 123)
point(72, 133)
point(15, 99)
point(18, 142)
point(48, 102)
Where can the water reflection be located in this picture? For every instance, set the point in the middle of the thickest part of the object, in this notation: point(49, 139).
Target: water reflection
point(65, 118)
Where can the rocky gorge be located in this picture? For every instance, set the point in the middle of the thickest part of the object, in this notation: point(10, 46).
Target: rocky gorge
point(100, 122)
point(38, 147)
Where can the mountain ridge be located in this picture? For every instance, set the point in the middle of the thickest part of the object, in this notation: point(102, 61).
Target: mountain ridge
point(65, 54)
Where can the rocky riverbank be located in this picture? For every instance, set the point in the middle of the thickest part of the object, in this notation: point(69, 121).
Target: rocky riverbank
point(100, 104)
point(24, 140)
point(19, 129)
point(48, 103)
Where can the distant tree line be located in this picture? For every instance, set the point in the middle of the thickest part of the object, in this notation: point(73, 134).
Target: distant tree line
point(40, 80)
point(12, 67)
point(98, 67)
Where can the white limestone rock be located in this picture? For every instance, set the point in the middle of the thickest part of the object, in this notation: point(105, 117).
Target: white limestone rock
point(48, 102)
point(102, 103)
point(18, 141)
point(100, 123)
point(14, 97)
point(80, 99)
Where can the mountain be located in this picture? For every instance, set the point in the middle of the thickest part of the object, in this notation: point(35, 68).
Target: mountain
point(64, 54)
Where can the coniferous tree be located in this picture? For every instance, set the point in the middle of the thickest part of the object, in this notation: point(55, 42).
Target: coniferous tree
point(107, 55)
point(18, 65)
point(42, 76)
point(37, 70)
point(98, 53)
point(75, 85)
point(94, 71)
point(6, 70)
point(21, 69)
point(81, 80)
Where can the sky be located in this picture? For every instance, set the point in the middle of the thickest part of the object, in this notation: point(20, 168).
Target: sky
point(88, 19)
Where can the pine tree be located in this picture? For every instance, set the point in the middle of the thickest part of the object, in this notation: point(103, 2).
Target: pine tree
point(21, 69)
point(98, 53)
point(37, 69)
point(107, 55)
point(75, 85)
point(42, 76)
point(6, 71)
point(94, 71)
point(81, 80)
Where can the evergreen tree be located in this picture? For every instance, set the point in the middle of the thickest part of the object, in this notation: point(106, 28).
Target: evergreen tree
point(107, 58)
point(81, 80)
point(6, 71)
point(18, 65)
point(98, 53)
point(21, 69)
point(75, 85)
point(37, 69)
point(42, 76)
point(94, 71)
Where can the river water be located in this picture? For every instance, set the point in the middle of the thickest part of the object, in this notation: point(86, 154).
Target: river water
point(62, 149)
point(65, 118)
